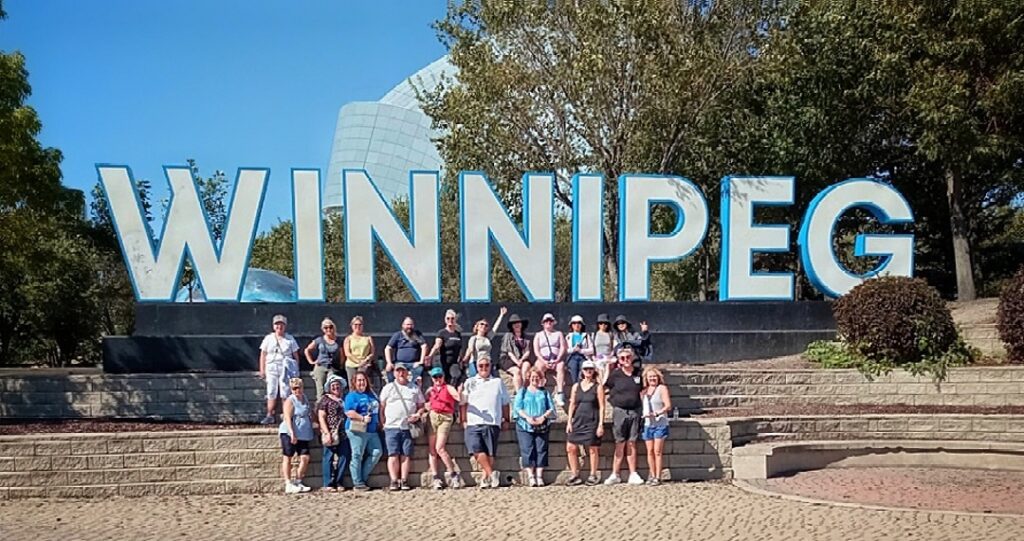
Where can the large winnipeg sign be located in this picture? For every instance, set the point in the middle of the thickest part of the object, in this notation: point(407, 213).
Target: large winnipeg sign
point(155, 263)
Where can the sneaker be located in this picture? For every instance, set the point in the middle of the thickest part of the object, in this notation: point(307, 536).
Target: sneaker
point(485, 482)
point(438, 484)
point(540, 481)
point(290, 488)
point(495, 479)
point(574, 481)
point(302, 487)
point(454, 481)
point(593, 480)
point(653, 481)
point(533, 481)
point(560, 399)
point(328, 489)
point(394, 486)
point(612, 479)
point(404, 485)
point(268, 420)
point(635, 479)
point(360, 488)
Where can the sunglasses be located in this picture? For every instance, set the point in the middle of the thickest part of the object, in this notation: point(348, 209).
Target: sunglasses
point(625, 359)
point(325, 327)
point(588, 368)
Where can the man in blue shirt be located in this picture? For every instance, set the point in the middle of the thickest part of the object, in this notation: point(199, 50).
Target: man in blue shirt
point(408, 347)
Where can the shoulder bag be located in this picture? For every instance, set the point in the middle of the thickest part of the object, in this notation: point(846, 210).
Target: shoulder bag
point(415, 430)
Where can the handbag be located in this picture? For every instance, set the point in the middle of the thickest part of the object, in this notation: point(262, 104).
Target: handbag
point(415, 430)
point(357, 426)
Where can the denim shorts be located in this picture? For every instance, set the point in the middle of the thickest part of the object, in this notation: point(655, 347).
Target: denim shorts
point(655, 432)
point(398, 442)
point(482, 439)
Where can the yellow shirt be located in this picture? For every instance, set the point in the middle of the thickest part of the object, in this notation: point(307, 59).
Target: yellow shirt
point(359, 346)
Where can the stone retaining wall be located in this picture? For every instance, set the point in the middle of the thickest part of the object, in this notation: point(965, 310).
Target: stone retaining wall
point(238, 397)
point(248, 460)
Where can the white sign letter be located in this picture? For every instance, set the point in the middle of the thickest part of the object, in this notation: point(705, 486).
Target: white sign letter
point(529, 255)
point(587, 237)
point(638, 247)
point(369, 219)
point(155, 268)
point(741, 238)
point(308, 235)
point(819, 260)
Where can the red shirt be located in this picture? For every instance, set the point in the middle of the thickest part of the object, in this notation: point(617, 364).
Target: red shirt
point(441, 401)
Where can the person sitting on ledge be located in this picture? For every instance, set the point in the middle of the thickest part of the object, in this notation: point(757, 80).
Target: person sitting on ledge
point(623, 389)
point(604, 347)
point(408, 347)
point(362, 410)
point(639, 341)
point(331, 414)
point(516, 349)
point(449, 345)
point(296, 431)
point(358, 349)
point(327, 359)
point(550, 348)
point(279, 362)
point(402, 406)
point(581, 347)
point(480, 344)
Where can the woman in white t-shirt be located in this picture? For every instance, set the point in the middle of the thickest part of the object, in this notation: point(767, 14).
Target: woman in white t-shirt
point(279, 361)
point(550, 348)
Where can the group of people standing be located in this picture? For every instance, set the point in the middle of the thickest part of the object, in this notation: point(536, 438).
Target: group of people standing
point(602, 370)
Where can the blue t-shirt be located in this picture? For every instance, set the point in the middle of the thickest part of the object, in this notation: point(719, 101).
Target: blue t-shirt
point(363, 404)
point(407, 349)
point(534, 403)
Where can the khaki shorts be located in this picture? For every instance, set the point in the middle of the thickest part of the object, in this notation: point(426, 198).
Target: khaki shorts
point(441, 423)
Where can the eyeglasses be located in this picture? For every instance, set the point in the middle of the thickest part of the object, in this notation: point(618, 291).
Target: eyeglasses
point(626, 358)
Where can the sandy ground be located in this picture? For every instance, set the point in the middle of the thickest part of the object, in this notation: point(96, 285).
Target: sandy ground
point(704, 511)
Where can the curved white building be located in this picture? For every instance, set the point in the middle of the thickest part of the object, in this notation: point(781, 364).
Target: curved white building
point(387, 138)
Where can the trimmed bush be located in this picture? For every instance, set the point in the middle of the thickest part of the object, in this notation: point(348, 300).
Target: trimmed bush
point(895, 318)
point(1011, 317)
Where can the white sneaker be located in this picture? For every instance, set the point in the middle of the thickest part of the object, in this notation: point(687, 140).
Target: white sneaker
point(635, 479)
point(290, 488)
point(539, 481)
point(533, 481)
point(302, 487)
point(495, 479)
point(455, 481)
point(612, 479)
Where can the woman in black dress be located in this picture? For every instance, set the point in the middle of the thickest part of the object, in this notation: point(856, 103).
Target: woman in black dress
point(586, 423)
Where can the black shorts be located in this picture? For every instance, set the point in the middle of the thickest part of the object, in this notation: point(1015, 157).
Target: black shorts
point(626, 424)
point(482, 439)
point(288, 449)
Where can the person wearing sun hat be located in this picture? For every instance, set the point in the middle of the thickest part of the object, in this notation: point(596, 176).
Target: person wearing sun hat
point(639, 341)
point(581, 347)
point(516, 349)
point(550, 348)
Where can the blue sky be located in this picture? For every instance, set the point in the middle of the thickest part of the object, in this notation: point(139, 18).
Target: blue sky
point(230, 83)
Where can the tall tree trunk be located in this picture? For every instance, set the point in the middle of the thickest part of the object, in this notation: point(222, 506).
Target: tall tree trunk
point(611, 237)
point(961, 245)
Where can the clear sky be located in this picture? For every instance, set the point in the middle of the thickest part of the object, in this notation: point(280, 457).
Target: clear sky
point(230, 83)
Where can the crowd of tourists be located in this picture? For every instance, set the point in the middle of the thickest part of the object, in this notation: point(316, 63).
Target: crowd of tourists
point(357, 421)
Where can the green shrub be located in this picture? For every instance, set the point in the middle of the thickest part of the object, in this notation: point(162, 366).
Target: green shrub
point(1011, 317)
point(889, 322)
point(898, 319)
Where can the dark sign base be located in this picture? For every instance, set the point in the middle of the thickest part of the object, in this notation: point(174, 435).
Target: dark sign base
point(226, 337)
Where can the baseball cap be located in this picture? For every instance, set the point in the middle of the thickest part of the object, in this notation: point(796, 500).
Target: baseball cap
point(588, 364)
point(576, 319)
point(401, 366)
point(436, 371)
point(279, 318)
point(548, 316)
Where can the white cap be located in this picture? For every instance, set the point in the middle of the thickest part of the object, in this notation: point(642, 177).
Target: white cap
point(576, 319)
point(280, 318)
point(548, 316)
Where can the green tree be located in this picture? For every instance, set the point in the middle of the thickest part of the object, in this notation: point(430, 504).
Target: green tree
point(611, 87)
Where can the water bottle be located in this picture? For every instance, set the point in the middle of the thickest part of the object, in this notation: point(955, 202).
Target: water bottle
point(675, 413)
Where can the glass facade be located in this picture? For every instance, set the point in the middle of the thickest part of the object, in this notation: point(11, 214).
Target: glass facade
point(386, 138)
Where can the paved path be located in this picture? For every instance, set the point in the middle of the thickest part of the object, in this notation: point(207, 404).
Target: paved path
point(704, 511)
point(977, 491)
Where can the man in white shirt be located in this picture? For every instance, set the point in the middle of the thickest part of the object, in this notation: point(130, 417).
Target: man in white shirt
point(279, 361)
point(403, 404)
point(485, 412)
